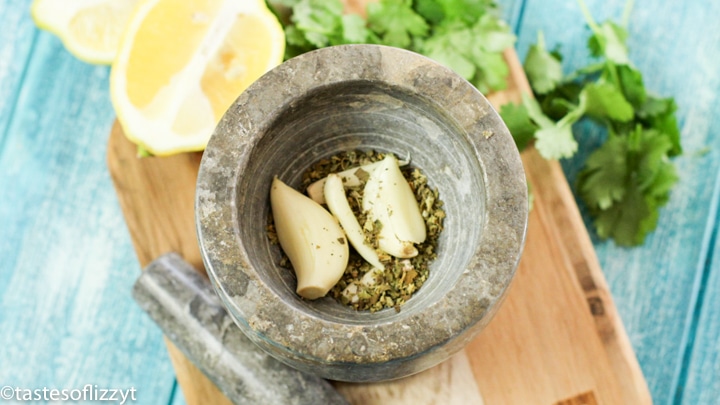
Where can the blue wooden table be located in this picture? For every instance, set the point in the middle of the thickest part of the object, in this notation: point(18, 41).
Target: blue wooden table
point(67, 264)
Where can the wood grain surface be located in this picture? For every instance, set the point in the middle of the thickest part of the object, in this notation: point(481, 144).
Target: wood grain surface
point(557, 336)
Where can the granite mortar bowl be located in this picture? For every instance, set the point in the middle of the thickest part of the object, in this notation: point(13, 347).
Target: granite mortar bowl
point(362, 97)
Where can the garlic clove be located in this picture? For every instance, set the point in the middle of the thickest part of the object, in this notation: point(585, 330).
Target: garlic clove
point(381, 207)
point(371, 278)
point(404, 212)
point(352, 177)
point(337, 202)
point(351, 293)
point(311, 238)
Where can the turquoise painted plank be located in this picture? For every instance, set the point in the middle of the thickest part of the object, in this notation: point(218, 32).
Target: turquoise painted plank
point(654, 285)
point(66, 314)
point(178, 397)
point(510, 12)
point(17, 37)
point(700, 381)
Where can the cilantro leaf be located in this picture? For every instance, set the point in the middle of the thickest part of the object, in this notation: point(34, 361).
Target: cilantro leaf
point(353, 30)
point(543, 69)
point(631, 83)
point(652, 151)
point(663, 181)
point(318, 20)
point(430, 10)
point(320, 23)
point(625, 182)
point(659, 114)
point(492, 34)
point(605, 100)
point(627, 221)
point(556, 142)
point(609, 40)
point(395, 22)
point(461, 34)
point(472, 51)
point(468, 11)
point(491, 37)
point(536, 113)
point(449, 45)
point(654, 106)
point(553, 140)
point(517, 120)
point(561, 100)
point(492, 73)
point(295, 37)
point(602, 181)
point(286, 3)
point(295, 42)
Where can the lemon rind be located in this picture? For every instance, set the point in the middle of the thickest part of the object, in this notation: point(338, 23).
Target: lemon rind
point(163, 141)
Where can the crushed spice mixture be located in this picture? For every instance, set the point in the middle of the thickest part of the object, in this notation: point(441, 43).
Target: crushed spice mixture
point(363, 287)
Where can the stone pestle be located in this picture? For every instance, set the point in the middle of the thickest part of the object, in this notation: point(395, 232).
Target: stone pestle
point(182, 302)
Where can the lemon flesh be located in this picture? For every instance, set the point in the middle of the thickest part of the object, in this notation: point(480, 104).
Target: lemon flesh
point(182, 63)
point(90, 29)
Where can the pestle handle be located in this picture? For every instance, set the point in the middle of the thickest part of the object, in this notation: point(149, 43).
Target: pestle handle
point(182, 302)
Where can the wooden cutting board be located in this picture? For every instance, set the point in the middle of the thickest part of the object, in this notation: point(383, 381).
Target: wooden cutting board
point(557, 339)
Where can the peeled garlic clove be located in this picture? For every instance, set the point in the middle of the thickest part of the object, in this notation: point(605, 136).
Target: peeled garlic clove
point(379, 210)
point(352, 177)
point(405, 216)
point(351, 293)
point(337, 202)
point(311, 238)
point(371, 277)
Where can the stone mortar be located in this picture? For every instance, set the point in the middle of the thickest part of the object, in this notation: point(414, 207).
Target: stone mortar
point(362, 97)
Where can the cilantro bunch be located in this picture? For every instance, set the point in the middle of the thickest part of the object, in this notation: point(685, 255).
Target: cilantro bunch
point(627, 179)
point(464, 35)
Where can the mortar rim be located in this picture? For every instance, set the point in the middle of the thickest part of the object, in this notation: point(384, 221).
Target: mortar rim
point(362, 61)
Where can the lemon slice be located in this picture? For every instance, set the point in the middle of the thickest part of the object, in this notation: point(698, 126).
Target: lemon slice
point(182, 63)
point(89, 29)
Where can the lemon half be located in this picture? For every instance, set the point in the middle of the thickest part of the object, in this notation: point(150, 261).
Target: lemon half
point(89, 29)
point(181, 63)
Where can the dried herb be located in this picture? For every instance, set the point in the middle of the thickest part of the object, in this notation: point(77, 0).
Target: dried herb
point(272, 236)
point(337, 163)
point(363, 287)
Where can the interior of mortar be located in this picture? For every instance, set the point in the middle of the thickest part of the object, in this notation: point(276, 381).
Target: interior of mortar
point(367, 116)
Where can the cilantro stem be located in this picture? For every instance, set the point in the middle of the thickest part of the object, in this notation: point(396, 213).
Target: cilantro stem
point(626, 13)
point(325, 31)
point(587, 70)
point(541, 40)
point(612, 68)
point(573, 115)
point(589, 18)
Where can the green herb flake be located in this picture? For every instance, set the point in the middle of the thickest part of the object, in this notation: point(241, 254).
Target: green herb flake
point(401, 278)
point(362, 175)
